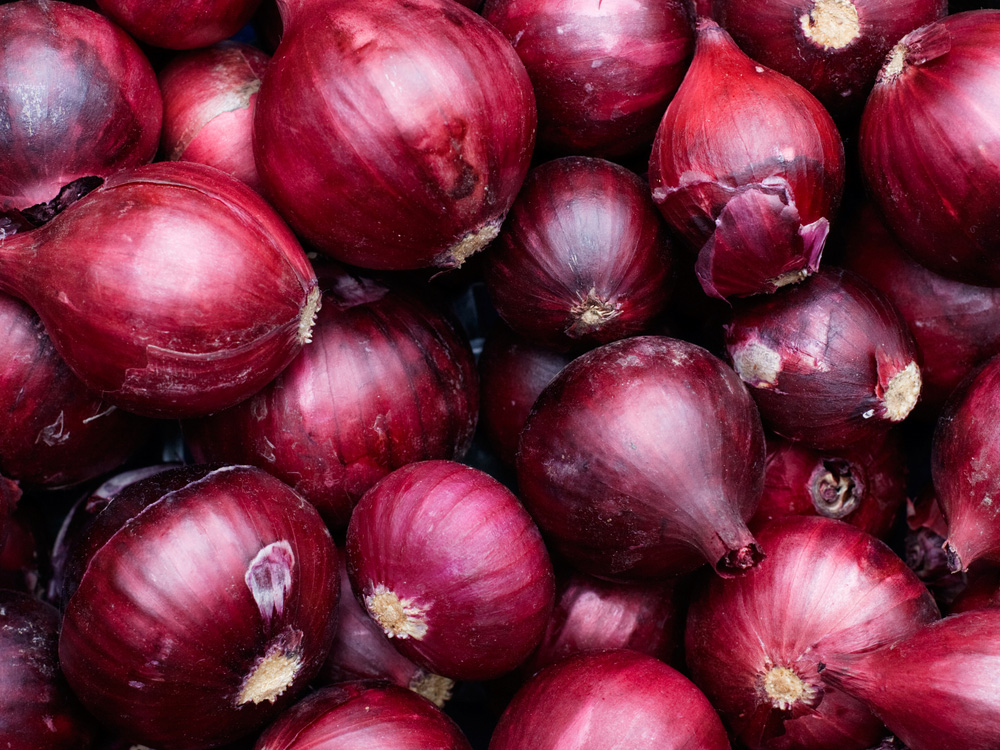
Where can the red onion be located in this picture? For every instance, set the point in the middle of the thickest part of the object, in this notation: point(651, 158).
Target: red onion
point(452, 567)
point(202, 602)
point(830, 361)
point(79, 99)
point(180, 24)
point(209, 97)
point(929, 145)
point(832, 47)
point(609, 699)
point(387, 380)
point(982, 592)
point(923, 549)
point(965, 453)
point(748, 167)
point(644, 458)
point(583, 258)
point(937, 688)
point(172, 290)
point(603, 72)
point(362, 716)
point(419, 114)
point(757, 644)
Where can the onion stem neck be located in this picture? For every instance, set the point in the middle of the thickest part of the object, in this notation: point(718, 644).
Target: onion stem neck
point(399, 618)
point(902, 392)
point(274, 672)
point(591, 313)
point(785, 688)
point(835, 491)
point(433, 687)
point(832, 24)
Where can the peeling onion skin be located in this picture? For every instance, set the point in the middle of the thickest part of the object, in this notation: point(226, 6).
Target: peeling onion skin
point(78, 98)
point(748, 167)
point(929, 145)
point(186, 584)
point(382, 106)
point(755, 643)
point(609, 699)
point(643, 459)
point(829, 361)
point(603, 73)
point(184, 293)
point(451, 565)
point(180, 24)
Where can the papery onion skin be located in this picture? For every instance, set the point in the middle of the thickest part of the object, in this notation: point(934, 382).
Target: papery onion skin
point(451, 565)
point(79, 99)
point(180, 24)
point(184, 292)
point(643, 459)
point(207, 594)
point(929, 145)
point(389, 110)
point(603, 73)
point(609, 699)
point(756, 644)
point(829, 361)
point(748, 167)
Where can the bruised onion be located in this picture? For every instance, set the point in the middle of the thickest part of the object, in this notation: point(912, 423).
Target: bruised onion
point(748, 167)
point(644, 458)
point(202, 601)
point(180, 24)
point(393, 135)
point(450, 564)
point(171, 290)
point(757, 644)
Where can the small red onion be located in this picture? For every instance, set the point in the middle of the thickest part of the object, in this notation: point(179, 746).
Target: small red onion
point(180, 24)
point(452, 567)
point(202, 601)
point(748, 167)
point(644, 458)
point(929, 145)
point(393, 135)
point(609, 699)
point(757, 644)
point(829, 361)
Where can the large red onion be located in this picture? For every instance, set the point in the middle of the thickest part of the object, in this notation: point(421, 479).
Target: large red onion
point(452, 567)
point(748, 167)
point(609, 699)
point(79, 99)
point(202, 601)
point(172, 290)
point(603, 72)
point(829, 361)
point(180, 24)
point(387, 380)
point(393, 135)
point(644, 458)
point(930, 145)
point(757, 644)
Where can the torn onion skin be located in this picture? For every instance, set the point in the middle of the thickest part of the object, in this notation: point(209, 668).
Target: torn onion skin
point(754, 192)
point(757, 644)
point(207, 593)
point(644, 458)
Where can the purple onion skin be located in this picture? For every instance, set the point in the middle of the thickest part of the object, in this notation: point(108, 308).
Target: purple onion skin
point(77, 97)
point(452, 567)
point(928, 145)
point(829, 361)
point(361, 716)
point(37, 708)
point(387, 380)
point(609, 699)
point(755, 644)
point(180, 24)
point(603, 74)
point(643, 459)
point(192, 583)
point(423, 138)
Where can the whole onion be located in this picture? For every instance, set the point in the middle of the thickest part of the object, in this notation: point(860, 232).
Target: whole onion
point(757, 644)
point(930, 145)
point(603, 73)
point(829, 361)
point(609, 699)
point(393, 135)
point(171, 290)
point(644, 458)
point(180, 24)
point(202, 602)
point(452, 567)
point(748, 167)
